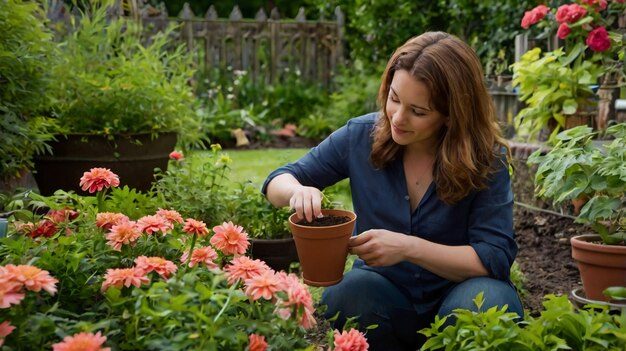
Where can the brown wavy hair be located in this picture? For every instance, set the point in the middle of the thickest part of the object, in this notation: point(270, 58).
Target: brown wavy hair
point(471, 141)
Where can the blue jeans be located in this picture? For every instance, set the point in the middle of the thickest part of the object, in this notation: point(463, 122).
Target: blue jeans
point(376, 300)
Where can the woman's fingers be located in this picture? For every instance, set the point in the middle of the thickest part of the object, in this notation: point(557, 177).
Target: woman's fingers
point(307, 202)
point(316, 201)
point(307, 207)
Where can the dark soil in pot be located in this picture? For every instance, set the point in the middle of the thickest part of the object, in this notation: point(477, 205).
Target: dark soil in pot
point(325, 221)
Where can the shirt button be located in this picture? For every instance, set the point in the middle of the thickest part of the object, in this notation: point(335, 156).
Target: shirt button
point(406, 197)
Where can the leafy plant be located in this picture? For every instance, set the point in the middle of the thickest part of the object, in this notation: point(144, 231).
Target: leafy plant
point(559, 327)
point(176, 306)
point(196, 186)
point(108, 82)
point(576, 168)
point(25, 51)
point(553, 88)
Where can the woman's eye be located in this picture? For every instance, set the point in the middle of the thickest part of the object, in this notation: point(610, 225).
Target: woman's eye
point(394, 99)
point(417, 113)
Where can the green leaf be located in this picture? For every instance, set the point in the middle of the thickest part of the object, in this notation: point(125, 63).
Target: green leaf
point(570, 106)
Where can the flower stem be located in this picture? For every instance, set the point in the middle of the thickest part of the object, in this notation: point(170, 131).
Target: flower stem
point(193, 243)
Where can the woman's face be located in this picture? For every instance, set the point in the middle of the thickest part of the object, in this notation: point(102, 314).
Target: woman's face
point(413, 121)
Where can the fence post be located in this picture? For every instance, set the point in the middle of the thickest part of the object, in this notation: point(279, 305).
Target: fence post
point(187, 17)
point(274, 44)
point(340, 34)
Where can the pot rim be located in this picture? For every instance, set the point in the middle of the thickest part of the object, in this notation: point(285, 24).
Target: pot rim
point(262, 241)
point(583, 242)
point(346, 212)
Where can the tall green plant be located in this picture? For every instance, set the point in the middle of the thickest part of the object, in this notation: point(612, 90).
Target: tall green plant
point(25, 51)
point(576, 168)
point(110, 79)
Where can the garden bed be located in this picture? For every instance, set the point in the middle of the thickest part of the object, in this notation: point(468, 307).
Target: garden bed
point(545, 255)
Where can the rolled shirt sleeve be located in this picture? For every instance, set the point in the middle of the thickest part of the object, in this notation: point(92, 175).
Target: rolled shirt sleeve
point(490, 226)
point(324, 165)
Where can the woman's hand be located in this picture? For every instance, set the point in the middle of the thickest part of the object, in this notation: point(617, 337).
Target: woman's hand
point(307, 201)
point(379, 247)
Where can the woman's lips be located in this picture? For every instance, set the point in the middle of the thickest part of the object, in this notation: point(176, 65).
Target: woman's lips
point(398, 131)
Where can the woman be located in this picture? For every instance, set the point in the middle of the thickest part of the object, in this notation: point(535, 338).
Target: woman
point(431, 190)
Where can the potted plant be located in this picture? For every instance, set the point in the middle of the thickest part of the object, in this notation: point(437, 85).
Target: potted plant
point(557, 86)
point(574, 168)
point(323, 245)
point(119, 104)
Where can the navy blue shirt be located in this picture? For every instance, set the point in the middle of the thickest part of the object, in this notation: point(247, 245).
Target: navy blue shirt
point(483, 219)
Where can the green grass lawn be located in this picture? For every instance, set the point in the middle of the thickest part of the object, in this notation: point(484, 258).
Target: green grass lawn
point(256, 165)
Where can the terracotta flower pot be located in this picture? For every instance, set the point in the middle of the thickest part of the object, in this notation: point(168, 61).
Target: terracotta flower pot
point(600, 266)
point(323, 250)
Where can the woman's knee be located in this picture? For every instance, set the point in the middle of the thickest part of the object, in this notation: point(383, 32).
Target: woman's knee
point(495, 293)
point(362, 293)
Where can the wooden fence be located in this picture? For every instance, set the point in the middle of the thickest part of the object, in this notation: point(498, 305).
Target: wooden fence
point(265, 46)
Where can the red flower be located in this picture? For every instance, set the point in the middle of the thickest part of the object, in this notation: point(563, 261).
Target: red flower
point(257, 343)
point(598, 40)
point(45, 228)
point(564, 31)
point(570, 13)
point(535, 15)
point(177, 155)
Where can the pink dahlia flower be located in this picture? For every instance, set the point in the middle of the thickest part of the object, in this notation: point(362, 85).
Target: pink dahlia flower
point(264, 285)
point(106, 220)
point(97, 179)
point(352, 340)
point(163, 267)
point(124, 277)
point(153, 224)
point(243, 268)
point(32, 278)
point(200, 255)
point(82, 342)
point(171, 215)
point(230, 239)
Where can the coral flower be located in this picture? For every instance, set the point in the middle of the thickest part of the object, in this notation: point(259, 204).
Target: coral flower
point(193, 226)
point(106, 220)
point(563, 31)
point(123, 233)
point(352, 340)
point(243, 268)
point(264, 285)
point(230, 239)
point(97, 179)
point(177, 156)
point(5, 329)
point(33, 278)
point(124, 277)
point(157, 264)
point(298, 298)
point(82, 342)
point(257, 343)
point(204, 255)
point(153, 224)
point(10, 293)
point(171, 215)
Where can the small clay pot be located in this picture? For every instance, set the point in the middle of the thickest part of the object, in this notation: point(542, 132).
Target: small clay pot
point(323, 250)
point(601, 266)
